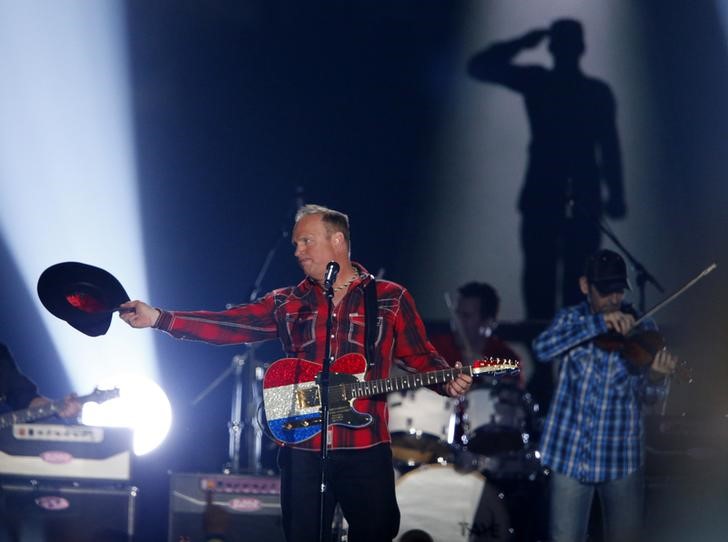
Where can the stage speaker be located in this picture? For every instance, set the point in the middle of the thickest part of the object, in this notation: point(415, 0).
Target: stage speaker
point(64, 512)
point(241, 507)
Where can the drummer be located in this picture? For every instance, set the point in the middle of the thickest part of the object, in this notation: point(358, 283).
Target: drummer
point(475, 318)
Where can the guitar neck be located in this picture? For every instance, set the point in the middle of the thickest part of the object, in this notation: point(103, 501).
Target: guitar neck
point(409, 381)
point(30, 414)
point(39, 412)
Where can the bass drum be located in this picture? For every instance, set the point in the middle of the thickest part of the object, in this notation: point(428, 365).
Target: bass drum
point(438, 502)
point(421, 423)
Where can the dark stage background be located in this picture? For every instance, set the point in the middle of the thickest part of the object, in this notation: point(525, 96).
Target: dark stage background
point(243, 108)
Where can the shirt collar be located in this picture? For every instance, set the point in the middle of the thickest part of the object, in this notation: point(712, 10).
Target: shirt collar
point(307, 283)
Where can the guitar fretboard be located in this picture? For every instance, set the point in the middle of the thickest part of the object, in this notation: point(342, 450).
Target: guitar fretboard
point(32, 414)
point(404, 382)
point(29, 414)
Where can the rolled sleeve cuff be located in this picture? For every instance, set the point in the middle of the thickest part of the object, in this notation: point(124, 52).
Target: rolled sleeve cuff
point(164, 322)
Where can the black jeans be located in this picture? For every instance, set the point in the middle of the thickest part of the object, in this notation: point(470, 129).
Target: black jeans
point(361, 481)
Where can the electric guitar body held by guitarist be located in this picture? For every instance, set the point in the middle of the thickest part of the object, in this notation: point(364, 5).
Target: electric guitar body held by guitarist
point(375, 320)
point(292, 394)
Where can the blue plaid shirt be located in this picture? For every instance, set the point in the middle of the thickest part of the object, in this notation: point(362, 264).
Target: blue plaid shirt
point(593, 430)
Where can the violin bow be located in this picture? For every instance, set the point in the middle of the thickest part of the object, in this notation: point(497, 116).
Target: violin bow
point(679, 292)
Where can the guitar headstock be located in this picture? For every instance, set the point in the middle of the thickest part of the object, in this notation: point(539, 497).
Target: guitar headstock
point(99, 395)
point(496, 366)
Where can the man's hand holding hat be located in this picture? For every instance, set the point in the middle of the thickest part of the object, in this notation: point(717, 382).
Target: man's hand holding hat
point(139, 315)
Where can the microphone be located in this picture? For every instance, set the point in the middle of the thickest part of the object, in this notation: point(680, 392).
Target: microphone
point(332, 269)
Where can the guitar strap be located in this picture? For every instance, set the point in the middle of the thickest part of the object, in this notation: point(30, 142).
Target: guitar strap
point(370, 319)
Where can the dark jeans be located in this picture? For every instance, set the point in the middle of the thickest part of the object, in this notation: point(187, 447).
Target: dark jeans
point(622, 503)
point(361, 481)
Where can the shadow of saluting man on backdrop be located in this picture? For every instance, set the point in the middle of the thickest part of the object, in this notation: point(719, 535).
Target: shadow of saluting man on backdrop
point(574, 148)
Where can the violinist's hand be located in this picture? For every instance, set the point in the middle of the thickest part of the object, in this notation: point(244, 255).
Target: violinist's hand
point(141, 315)
point(459, 386)
point(619, 321)
point(663, 364)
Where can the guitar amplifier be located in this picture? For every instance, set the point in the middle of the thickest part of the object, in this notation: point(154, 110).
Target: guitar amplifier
point(57, 451)
point(48, 511)
point(246, 507)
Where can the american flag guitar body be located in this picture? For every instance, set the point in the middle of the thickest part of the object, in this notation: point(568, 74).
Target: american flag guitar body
point(292, 400)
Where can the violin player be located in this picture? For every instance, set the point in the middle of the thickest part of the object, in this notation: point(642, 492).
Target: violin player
point(593, 436)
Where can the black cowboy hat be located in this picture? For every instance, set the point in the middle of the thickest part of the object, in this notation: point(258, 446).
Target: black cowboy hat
point(83, 295)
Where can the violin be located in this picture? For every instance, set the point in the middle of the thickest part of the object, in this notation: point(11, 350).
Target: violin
point(639, 347)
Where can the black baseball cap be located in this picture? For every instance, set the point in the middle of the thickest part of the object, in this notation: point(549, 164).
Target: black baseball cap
point(606, 270)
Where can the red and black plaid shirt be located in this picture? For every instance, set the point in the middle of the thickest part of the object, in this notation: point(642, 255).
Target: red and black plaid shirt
point(297, 317)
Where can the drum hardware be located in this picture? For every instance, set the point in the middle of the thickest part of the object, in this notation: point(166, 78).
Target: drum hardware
point(246, 372)
point(446, 488)
point(490, 421)
point(496, 419)
point(521, 465)
point(422, 426)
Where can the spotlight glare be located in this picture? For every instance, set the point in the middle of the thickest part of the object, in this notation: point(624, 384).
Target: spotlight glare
point(142, 405)
point(68, 168)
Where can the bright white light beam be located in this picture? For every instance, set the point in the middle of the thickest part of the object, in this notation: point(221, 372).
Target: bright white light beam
point(67, 166)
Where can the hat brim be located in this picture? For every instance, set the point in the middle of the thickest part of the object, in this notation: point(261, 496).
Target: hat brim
point(606, 287)
point(83, 295)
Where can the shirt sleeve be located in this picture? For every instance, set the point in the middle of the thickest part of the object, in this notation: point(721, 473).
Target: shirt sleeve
point(569, 328)
point(411, 343)
point(18, 389)
point(247, 323)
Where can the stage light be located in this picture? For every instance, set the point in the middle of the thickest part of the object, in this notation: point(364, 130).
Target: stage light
point(67, 167)
point(142, 405)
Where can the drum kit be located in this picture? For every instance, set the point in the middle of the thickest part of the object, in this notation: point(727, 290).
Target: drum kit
point(467, 469)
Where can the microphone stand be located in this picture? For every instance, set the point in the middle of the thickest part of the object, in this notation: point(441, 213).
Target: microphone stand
point(324, 392)
point(255, 288)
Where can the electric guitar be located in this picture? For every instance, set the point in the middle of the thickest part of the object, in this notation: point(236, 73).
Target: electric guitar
point(54, 407)
point(292, 399)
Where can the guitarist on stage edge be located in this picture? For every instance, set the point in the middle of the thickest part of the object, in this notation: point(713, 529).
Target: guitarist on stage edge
point(18, 392)
point(361, 477)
